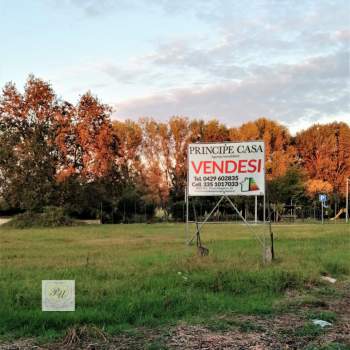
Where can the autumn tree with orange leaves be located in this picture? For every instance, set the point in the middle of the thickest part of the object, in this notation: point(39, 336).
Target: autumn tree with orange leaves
point(279, 151)
point(127, 156)
point(55, 153)
point(324, 153)
point(29, 154)
point(44, 141)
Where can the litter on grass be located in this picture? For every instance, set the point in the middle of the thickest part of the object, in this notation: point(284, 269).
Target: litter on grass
point(321, 323)
point(328, 279)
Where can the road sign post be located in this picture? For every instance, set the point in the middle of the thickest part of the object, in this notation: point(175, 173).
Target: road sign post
point(323, 199)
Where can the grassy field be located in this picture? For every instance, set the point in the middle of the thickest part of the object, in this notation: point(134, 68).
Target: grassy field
point(130, 276)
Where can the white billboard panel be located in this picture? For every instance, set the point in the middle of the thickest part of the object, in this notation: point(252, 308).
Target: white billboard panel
point(228, 168)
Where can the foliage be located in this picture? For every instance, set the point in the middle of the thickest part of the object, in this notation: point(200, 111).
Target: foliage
point(323, 151)
point(7, 210)
point(178, 210)
point(131, 207)
point(28, 155)
point(279, 150)
point(288, 187)
point(54, 153)
point(43, 141)
point(50, 217)
point(316, 186)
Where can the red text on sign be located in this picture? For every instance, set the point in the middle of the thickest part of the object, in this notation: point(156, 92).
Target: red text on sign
point(228, 166)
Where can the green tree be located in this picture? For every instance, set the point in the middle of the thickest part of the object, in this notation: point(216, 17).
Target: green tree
point(285, 189)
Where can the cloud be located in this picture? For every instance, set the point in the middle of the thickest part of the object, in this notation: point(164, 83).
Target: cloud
point(96, 8)
point(268, 30)
point(284, 60)
point(310, 90)
point(211, 59)
point(122, 73)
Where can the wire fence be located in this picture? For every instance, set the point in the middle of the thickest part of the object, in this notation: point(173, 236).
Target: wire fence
point(280, 214)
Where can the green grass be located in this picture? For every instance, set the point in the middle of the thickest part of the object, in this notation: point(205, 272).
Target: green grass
point(144, 275)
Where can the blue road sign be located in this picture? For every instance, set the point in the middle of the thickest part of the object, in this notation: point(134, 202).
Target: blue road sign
point(322, 198)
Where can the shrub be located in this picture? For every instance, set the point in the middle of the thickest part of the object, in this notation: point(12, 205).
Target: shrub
point(50, 217)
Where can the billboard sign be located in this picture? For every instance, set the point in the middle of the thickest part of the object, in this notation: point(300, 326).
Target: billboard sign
point(227, 168)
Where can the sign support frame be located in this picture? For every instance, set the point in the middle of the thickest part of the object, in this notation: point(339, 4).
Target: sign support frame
point(199, 225)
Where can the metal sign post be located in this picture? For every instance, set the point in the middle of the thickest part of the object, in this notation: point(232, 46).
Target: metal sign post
point(199, 225)
point(186, 202)
point(347, 200)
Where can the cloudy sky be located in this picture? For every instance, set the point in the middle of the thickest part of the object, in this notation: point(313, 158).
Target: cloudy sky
point(232, 60)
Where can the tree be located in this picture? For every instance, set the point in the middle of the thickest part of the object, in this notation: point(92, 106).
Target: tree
point(29, 154)
point(164, 152)
point(279, 151)
point(45, 142)
point(127, 156)
point(155, 154)
point(213, 131)
point(56, 153)
point(323, 151)
point(315, 186)
point(286, 188)
point(93, 133)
